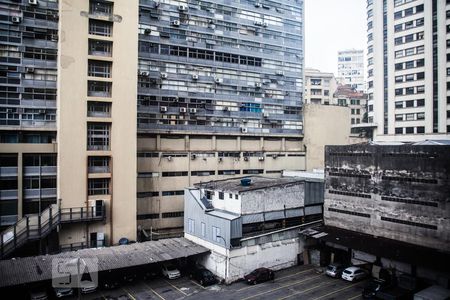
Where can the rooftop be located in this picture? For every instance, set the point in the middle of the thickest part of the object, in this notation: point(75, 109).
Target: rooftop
point(257, 183)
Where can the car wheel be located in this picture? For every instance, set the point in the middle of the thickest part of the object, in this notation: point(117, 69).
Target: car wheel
point(254, 282)
point(201, 282)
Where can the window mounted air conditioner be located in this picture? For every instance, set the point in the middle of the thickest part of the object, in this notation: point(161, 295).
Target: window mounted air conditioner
point(163, 108)
point(261, 158)
point(175, 23)
point(16, 19)
point(192, 110)
point(33, 2)
point(163, 75)
point(195, 77)
point(244, 130)
point(183, 110)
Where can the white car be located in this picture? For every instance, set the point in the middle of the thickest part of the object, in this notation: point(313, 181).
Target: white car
point(170, 271)
point(63, 292)
point(87, 286)
point(353, 274)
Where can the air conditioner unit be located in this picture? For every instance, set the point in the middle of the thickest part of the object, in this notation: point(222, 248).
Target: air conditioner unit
point(147, 31)
point(258, 84)
point(33, 2)
point(212, 26)
point(163, 108)
point(193, 156)
point(218, 80)
point(264, 24)
point(175, 23)
point(211, 21)
point(163, 75)
point(144, 73)
point(225, 108)
point(29, 70)
point(280, 73)
point(274, 156)
point(182, 8)
point(194, 77)
point(16, 19)
point(244, 130)
point(192, 110)
point(244, 120)
point(286, 93)
point(261, 158)
point(169, 158)
point(266, 115)
point(220, 158)
point(245, 158)
point(257, 4)
point(183, 110)
point(41, 111)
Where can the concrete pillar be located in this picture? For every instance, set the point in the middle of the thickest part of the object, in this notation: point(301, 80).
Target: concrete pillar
point(19, 185)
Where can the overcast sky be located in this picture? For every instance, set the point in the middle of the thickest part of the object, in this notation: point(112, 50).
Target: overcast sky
point(330, 26)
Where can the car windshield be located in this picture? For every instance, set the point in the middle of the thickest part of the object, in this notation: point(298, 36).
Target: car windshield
point(347, 272)
point(254, 273)
point(331, 268)
point(171, 268)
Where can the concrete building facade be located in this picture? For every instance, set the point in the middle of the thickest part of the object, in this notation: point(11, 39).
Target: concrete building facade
point(220, 90)
point(408, 57)
point(319, 87)
point(251, 226)
point(351, 69)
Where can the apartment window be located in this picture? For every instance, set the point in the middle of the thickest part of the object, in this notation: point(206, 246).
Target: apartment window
point(399, 66)
point(420, 62)
point(221, 195)
point(398, 79)
point(448, 71)
point(419, 8)
point(420, 89)
point(421, 129)
point(102, 28)
point(399, 53)
point(99, 89)
point(148, 216)
point(98, 164)
point(409, 25)
point(98, 68)
point(399, 104)
point(409, 11)
point(420, 75)
point(398, 41)
point(409, 64)
point(420, 49)
point(409, 117)
point(421, 102)
point(40, 53)
point(202, 173)
point(419, 22)
point(99, 109)
point(409, 103)
point(147, 194)
point(409, 130)
point(100, 8)
point(398, 15)
point(100, 48)
point(98, 186)
point(398, 130)
point(176, 214)
point(398, 27)
point(398, 92)
point(399, 117)
point(253, 171)
point(174, 174)
point(98, 136)
point(409, 51)
point(229, 172)
point(203, 229)
point(191, 226)
point(409, 90)
point(172, 193)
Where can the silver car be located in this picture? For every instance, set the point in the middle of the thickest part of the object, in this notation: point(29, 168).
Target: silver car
point(334, 270)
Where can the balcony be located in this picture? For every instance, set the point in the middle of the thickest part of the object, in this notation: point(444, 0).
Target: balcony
point(47, 170)
point(99, 114)
point(99, 169)
point(8, 171)
point(8, 194)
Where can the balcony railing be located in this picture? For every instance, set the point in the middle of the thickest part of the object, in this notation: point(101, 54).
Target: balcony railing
point(8, 171)
point(99, 169)
point(46, 170)
point(8, 194)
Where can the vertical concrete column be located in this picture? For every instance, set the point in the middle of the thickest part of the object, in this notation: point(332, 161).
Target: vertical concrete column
point(19, 185)
point(283, 144)
point(238, 143)
point(261, 143)
point(214, 143)
point(187, 144)
point(158, 142)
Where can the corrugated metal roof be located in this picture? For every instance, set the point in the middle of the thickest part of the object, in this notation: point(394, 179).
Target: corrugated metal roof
point(37, 268)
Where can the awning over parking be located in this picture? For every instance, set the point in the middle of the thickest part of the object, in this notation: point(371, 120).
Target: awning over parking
point(381, 247)
point(38, 268)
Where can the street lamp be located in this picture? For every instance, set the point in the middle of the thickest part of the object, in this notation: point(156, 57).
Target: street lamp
point(227, 256)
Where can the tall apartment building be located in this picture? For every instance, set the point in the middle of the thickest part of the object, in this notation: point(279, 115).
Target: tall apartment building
point(319, 87)
point(351, 69)
point(408, 62)
point(184, 90)
point(219, 95)
point(68, 131)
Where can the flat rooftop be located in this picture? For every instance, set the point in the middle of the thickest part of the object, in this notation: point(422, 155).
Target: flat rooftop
point(257, 183)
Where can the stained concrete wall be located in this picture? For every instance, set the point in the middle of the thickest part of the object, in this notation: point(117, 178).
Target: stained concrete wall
point(273, 198)
point(410, 185)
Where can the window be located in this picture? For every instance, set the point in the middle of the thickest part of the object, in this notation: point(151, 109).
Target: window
point(421, 75)
point(216, 234)
point(99, 109)
point(98, 136)
point(420, 89)
point(421, 102)
point(102, 28)
point(100, 8)
point(409, 130)
point(419, 8)
point(98, 164)
point(98, 68)
point(421, 116)
point(421, 129)
point(99, 89)
point(409, 103)
point(148, 216)
point(409, 117)
point(172, 193)
point(98, 186)
point(191, 226)
point(176, 214)
point(398, 130)
point(175, 174)
point(203, 228)
point(100, 48)
point(221, 195)
point(399, 104)
point(399, 117)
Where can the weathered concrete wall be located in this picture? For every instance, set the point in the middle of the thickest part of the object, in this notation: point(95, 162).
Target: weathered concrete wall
point(273, 198)
point(398, 192)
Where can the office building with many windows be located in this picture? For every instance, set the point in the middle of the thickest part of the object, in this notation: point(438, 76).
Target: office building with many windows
point(408, 62)
point(351, 69)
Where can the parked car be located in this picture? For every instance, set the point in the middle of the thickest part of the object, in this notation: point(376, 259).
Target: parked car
point(170, 271)
point(259, 275)
point(203, 276)
point(87, 286)
point(38, 294)
point(334, 270)
point(63, 292)
point(373, 287)
point(353, 274)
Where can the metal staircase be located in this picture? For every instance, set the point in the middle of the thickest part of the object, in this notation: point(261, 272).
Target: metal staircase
point(36, 227)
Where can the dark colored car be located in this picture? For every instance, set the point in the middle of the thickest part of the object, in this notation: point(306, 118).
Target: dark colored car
point(203, 276)
point(372, 287)
point(259, 275)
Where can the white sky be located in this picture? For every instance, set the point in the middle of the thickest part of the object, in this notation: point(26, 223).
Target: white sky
point(330, 26)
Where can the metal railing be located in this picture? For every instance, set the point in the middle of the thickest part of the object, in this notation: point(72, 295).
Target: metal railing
point(38, 226)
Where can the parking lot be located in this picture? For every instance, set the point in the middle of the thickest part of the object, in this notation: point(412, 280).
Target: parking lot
point(301, 282)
